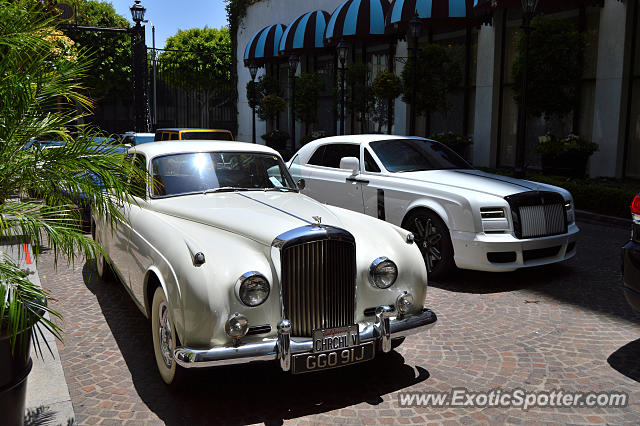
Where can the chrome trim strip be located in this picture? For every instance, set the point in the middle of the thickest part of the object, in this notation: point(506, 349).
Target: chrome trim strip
point(267, 350)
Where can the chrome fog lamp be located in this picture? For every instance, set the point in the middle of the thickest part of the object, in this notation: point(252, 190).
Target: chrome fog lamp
point(236, 326)
point(253, 288)
point(383, 273)
point(404, 302)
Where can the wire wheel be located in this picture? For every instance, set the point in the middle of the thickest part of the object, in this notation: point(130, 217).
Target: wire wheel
point(433, 240)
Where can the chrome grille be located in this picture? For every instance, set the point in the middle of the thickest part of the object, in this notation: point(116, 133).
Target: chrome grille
point(318, 285)
point(537, 214)
point(541, 220)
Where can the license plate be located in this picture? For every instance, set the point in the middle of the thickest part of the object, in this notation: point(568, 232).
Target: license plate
point(313, 361)
point(331, 339)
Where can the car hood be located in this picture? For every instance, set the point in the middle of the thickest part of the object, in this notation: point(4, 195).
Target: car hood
point(258, 215)
point(474, 180)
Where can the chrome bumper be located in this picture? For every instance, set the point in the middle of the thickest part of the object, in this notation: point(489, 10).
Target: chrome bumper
point(281, 348)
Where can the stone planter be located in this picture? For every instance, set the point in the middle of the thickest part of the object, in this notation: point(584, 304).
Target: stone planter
point(569, 164)
point(15, 369)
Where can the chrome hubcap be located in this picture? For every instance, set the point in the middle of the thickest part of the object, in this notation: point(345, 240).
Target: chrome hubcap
point(164, 334)
point(429, 239)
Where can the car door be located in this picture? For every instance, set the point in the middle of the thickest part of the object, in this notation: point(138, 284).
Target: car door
point(379, 199)
point(328, 183)
point(139, 258)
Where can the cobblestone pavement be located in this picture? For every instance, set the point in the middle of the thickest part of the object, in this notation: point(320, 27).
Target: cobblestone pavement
point(559, 327)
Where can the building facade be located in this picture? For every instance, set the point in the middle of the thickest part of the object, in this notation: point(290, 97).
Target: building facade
point(483, 107)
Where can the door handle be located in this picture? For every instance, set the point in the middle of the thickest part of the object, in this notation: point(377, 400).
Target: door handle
point(355, 179)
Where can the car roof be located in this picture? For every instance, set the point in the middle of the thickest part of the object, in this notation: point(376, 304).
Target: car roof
point(182, 129)
point(153, 149)
point(357, 139)
point(138, 134)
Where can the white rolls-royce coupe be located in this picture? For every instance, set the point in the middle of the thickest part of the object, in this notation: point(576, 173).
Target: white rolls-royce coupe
point(459, 216)
point(232, 264)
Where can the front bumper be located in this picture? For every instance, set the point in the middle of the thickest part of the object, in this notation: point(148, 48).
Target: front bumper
point(474, 250)
point(281, 348)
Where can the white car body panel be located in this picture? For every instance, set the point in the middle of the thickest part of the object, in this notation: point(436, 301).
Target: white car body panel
point(455, 195)
point(235, 231)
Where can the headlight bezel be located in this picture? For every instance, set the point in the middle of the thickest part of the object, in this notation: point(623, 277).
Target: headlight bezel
point(381, 262)
point(247, 279)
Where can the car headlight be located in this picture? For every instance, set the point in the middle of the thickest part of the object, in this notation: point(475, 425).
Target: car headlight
point(494, 220)
point(254, 288)
point(571, 212)
point(383, 273)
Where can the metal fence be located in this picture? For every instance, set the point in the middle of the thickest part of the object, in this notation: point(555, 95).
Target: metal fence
point(178, 100)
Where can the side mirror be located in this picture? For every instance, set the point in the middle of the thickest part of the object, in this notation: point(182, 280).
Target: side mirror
point(350, 163)
point(302, 184)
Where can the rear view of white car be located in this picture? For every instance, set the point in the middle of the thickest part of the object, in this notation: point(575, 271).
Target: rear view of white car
point(459, 216)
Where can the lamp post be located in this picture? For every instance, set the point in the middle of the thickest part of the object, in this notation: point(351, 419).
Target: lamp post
point(343, 50)
point(139, 53)
point(415, 29)
point(293, 67)
point(253, 70)
point(528, 10)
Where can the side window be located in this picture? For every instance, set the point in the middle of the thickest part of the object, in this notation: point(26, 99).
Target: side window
point(173, 136)
point(165, 136)
point(139, 182)
point(316, 158)
point(158, 136)
point(335, 152)
point(369, 163)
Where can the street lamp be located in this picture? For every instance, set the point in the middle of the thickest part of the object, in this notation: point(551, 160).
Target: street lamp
point(293, 67)
point(343, 50)
point(139, 53)
point(253, 70)
point(137, 12)
point(415, 29)
point(528, 10)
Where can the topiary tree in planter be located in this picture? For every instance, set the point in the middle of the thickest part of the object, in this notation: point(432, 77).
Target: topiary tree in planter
point(554, 68)
point(359, 97)
point(437, 75)
point(42, 98)
point(386, 88)
point(308, 88)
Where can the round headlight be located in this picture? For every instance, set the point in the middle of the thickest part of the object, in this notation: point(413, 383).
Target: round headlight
point(383, 273)
point(254, 289)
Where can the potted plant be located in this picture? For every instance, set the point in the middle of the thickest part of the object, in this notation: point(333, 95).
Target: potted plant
point(42, 98)
point(386, 88)
point(437, 76)
point(565, 156)
point(308, 88)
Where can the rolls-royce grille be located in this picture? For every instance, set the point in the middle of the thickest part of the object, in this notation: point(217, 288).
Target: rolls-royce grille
point(318, 285)
point(538, 221)
point(538, 214)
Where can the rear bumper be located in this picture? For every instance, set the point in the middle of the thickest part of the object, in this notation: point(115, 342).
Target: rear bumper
point(505, 252)
point(631, 273)
point(383, 331)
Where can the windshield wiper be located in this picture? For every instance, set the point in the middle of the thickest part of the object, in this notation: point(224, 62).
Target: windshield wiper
point(281, 189)
point(223, 189)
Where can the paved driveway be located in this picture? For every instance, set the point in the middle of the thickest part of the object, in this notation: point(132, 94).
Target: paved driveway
point(560, 327)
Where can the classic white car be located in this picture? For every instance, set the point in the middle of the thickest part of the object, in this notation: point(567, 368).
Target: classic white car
point(232, 264)
point(459, 215)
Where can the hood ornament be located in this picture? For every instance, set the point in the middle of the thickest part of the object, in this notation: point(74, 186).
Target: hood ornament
point(317, 219)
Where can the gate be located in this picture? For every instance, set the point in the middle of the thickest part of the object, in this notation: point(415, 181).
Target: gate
point(183, 92)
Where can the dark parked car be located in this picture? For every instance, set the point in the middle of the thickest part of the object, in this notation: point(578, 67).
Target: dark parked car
point(631, 258)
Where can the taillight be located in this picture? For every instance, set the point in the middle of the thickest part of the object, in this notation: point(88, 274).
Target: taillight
point(635, 205)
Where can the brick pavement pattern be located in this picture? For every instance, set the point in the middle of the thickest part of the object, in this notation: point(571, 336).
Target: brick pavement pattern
point(564, 327)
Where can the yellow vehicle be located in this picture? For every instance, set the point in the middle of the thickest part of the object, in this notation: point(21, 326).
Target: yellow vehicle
point(177, 134)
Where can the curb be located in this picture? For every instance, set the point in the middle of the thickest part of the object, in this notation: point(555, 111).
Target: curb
point(601, 219)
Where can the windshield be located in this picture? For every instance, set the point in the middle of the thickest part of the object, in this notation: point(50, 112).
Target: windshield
point(216, 171)
point(411, 155)
point(139, 140)
point(208, 136)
